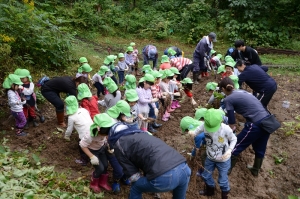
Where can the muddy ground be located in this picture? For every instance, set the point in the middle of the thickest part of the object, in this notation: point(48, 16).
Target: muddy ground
point(274, 180)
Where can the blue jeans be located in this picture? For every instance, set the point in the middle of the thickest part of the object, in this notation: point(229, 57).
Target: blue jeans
point(176, 179)
point(151, 110)
point(100, 88)
point(121, 76)
point(117, 169)
point(222, 167)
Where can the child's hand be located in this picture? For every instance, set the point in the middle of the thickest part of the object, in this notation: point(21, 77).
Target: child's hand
point(192, 133)
point(227, 154)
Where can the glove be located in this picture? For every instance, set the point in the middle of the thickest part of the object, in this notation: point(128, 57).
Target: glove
point(154, 100)
point(191, 133)
point(21, 87)
point(94, 160)
point(177, 94)
point(227, 154)
point(165, 93)
point(193, 102)
point(144, 119)
point(156, 112)
point(67, 138)
point(164, 97)
point(135, 177)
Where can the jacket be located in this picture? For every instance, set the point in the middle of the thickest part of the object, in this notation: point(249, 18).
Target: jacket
point(61, 84)
point(202, 49)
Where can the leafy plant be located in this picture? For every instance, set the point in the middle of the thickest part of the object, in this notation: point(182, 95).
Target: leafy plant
point(291, 127)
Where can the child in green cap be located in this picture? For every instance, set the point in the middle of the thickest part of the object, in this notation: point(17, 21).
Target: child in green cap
point(87, 100)
point(165, 62)
point(113, 96)
point(220, 141)
point(175, 84)
point(130, 82)
point(109, 61)
point(187, 84)
point(12, 84)
point(122, 67)
point(135, 54)
point(132, 98)
point(129, 58)
point(84, 70)
point(98, 79)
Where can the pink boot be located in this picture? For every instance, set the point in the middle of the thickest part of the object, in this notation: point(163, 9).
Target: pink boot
point(173, 105)
point(167, 114)
point(170, 109)
point(103, 182)
point(94, 185)
point(177, 104)
point(165, 118)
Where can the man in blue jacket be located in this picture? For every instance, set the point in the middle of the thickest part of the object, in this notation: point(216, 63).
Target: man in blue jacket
point(258, 80)
point(202, 50)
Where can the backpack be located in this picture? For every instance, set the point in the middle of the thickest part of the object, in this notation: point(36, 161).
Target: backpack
point(42, 81)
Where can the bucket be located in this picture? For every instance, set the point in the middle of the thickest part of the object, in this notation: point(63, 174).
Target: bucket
point(285, 104)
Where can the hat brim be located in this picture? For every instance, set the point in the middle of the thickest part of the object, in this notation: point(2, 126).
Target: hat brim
point(212, 129)
point(133, 99)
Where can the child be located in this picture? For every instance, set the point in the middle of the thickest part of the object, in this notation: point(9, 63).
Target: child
point(199, 114)
point(28, 93)
point(129, 58)
point(217, 59)
point(145, 97)
point(211, 87)
point(187, 84)
point(135, 54)
point(132, 98)
point(12, 83)
point(98, 79)
point(122, 67)
point(221, 70)
point(175, 103)
point(130, 82)
point(94, 146)
point(80, 119)
point(229, 68)
point(147, 69)
point(165, 62)
point(113, 96)
point(83, 60)
point(109, 62)
point(88, 101)
point(84, 70)
point(218, 150)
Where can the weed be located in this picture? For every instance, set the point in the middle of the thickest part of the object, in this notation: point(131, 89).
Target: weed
point(291, 127)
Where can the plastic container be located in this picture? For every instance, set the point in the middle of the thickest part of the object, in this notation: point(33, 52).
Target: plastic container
point(285, 104)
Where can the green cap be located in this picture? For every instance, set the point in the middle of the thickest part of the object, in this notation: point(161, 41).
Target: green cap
point(167, 73)
point(131, 95)
point(109, 59)
point(146, 68)
point(221, 69)
point(189, 123)
point(175, 70)
point(228, 58)
point(164, 59)
point(212, 120)
point(156, 74)
point(120, 55)
point(85, 68)
point(22, 73)
point(132, 44)
point(83, 91)
point(219, 56)
point(71, 105)
point(110, 84)
point(129, 49)
point(149, 78)
point(231, 64)
point(142, 79)
point(171, 51)
point(11, 79)
point(130, 82)
point(212, 51)
point(83, 60)
point(235, 80)
point(211, 86)
point(120, 107)
point(186, 80)
point(101, 120)
point(200, 113)
point(103, 70)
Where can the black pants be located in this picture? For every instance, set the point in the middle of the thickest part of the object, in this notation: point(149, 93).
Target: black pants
point(100, 88)
point(267, 96)
point(185, 71)
point(54, 99)
point(102, 167)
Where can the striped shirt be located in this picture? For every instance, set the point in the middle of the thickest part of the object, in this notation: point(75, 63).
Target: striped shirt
point(155, 90)
point(180, 62)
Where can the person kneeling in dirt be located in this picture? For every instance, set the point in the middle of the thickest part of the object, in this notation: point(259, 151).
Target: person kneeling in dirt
point(252, 110)
point(184, 65)
point(164, 168)
point(220, 142)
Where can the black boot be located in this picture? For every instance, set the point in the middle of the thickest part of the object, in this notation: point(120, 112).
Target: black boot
point(151, 129)
point(195, 77)
point(225, 194)
point(35, 123)
point(155, 125)
point(256, 166)
point(234, 159)
point(208, 191)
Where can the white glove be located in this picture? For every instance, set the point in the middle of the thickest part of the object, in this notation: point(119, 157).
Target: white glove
point(21, 87)
point(94, 160)
point(177, 94)
point(154, 100)
point(67, 138)
point(156, 112)
point(191, 133)
point(193, 102)
point(164, 97)
point(227, 154)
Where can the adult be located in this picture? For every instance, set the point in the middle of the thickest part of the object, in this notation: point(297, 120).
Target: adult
point(184, 65)
point(150, 53)
point(163, 167)
point(51, 91)
point(173, 51)
point(202, 50)
point(258, 80)
point(246, 53)
point(252, 110)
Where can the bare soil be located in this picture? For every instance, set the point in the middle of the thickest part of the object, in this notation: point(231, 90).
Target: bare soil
point(274, 181)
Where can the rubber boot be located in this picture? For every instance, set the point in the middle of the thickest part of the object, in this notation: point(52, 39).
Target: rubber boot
point(165, 118)
point(125, 180)
point(35, 123)
point(167, 114)
point(103, 182)
point(173, 105)
point(170, 109)
point(94, 185)
point(155, 125)
point(20, 132)
point(151, 129)
point(177, 104)
point(206, 74)
point(208, 191)
point(225, 194)
point(195, 77)
point(116, 188)
point(42, 118)
point(202, 74)
point(256, 166)
point(234, 159)
point(60, 119)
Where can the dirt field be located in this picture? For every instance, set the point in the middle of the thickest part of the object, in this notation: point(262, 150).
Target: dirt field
point(274, 181)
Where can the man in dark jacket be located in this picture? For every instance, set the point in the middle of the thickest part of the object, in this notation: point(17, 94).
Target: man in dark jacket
point(202, 50)
point(258, 80)
point(163, 168)
point(246, 53)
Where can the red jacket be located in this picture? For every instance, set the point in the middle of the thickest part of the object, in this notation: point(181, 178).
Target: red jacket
point(91, 105)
